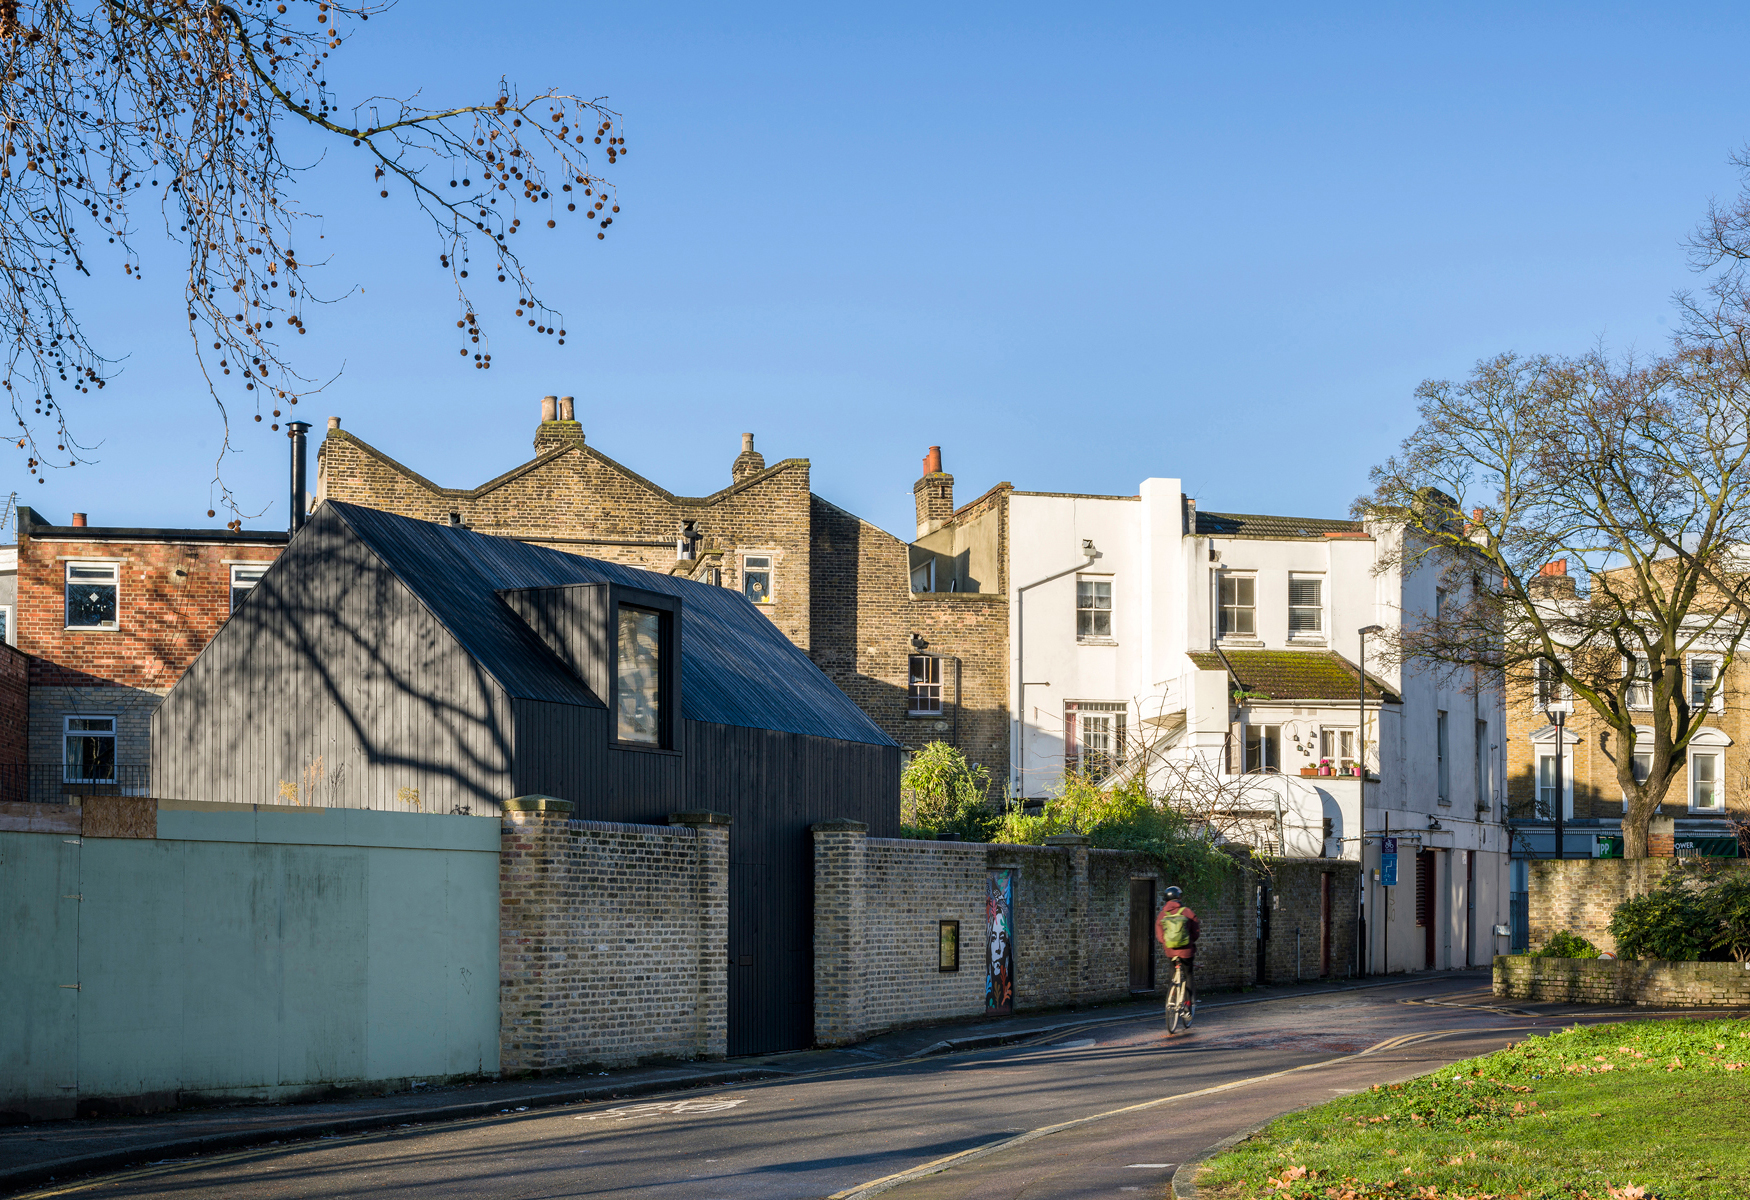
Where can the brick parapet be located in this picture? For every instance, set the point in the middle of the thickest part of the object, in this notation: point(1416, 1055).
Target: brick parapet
point(1623, 981)
point(612, 944)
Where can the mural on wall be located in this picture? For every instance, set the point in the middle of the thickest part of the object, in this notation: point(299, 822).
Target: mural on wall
point(999, 923)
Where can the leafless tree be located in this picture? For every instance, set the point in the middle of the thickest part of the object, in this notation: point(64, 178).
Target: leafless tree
point(1638, 476)
point(110, 106)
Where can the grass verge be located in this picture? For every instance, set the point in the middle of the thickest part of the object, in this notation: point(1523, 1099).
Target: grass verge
point(1605, 1112)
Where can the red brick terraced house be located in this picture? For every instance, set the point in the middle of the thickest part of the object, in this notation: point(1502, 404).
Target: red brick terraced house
point(107, 619)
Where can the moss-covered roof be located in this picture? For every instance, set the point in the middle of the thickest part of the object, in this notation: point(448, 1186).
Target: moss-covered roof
point(1294, 674)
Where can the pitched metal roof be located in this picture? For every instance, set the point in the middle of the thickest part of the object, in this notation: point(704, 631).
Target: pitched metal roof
point(1255, 525)
point(1294, 674)
point(736, 667)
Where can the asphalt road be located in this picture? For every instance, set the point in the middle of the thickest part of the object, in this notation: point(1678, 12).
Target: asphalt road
point(836, 1132)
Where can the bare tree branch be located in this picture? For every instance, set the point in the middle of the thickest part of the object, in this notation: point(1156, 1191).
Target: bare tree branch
point(103, 99)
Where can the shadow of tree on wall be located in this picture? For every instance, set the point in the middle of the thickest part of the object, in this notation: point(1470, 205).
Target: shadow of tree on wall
point(332, 686)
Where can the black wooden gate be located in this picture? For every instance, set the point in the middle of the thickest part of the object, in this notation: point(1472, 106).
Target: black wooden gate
point(1142, 935)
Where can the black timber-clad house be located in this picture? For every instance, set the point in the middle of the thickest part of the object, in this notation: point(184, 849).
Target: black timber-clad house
point(390, 663)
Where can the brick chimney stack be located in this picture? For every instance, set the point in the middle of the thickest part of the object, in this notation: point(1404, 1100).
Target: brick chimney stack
point(934, 494)
point(559, 427)
point(1553, 580)
point(748, 462)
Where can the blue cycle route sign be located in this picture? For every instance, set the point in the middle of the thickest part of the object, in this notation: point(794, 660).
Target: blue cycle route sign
point(1388, 861)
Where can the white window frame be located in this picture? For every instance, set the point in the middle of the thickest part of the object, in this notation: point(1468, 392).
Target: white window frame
point(1546, 689)
point(1320, 633)
point(258, 569)
point(1110, 637)
point(1719, 700)
point(7, 614)
point(115, 569)
point(68, 731)
point(1331, 739)
point(760, 564)
point(1542, 748)
point(1221, 630)
point(1716, 755)
point(1115, 715)
point(1636, 671)
point(1483, 761)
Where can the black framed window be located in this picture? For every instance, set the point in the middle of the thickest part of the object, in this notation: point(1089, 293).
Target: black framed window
point(639, 688)
point(947, 945)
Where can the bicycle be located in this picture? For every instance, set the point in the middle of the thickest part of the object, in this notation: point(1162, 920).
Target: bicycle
point(1181, 1000)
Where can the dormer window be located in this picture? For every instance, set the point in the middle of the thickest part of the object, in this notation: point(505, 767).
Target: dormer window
point(638, 687)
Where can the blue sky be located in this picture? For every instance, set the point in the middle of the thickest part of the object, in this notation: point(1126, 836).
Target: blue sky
point(1074, 246)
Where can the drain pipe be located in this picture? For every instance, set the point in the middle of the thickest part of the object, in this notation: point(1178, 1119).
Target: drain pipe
point(1021, 681)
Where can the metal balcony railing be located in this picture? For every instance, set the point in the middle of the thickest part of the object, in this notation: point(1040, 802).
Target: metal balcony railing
point(53, 783)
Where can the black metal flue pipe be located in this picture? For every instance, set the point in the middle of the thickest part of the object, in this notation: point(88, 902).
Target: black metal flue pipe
point(296, 431)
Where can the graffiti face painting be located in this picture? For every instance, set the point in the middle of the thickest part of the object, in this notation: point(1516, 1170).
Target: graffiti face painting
point(999, 984)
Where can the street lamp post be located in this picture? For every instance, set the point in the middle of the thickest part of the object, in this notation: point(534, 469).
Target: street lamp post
point(1557, 712)
point(1361, 756)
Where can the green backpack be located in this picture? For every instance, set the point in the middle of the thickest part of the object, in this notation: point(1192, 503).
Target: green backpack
point(1175, 930)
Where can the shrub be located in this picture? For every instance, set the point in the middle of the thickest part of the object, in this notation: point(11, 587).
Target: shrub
point(1674, 921)
point(1120, 815)
point(1567, 945)
point(940, 792)
point(1729, 898)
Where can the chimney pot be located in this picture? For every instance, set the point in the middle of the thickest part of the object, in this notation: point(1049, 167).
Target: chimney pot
point(78, 520)
point(567, 408)
point(549, 406)
point(933, 461)
point(1558, 567)
point(748, 462)
point(334, 422)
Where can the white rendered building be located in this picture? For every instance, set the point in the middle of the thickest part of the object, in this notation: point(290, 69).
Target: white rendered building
point(1217, 652)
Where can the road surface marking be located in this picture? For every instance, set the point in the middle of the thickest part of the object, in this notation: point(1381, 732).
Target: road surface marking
point(876, 1186)
point(660, 1107)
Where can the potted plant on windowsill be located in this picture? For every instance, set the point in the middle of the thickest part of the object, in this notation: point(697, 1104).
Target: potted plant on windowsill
point(1309, 772)
point(1325, 767)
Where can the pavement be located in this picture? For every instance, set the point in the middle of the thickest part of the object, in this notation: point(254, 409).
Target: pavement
point(1038, 1105)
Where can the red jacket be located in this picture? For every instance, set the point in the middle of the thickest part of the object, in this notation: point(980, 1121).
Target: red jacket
point(1173, 906)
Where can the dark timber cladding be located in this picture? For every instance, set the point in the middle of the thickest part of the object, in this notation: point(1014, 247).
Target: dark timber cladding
point(390, 663)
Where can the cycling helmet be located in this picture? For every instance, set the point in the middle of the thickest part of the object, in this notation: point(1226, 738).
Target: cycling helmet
point(1173, 893)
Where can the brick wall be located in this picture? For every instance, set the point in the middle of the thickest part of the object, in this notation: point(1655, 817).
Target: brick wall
point(1597, 794)
point(613, 940)
point(171, 598)
point(1580, 894)
point(865, 615)
point(1624, 981)
point(879, 903)
point(14, 718)
point(576, 499)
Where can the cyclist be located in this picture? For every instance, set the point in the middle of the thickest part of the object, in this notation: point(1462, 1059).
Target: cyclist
point(1176, 928)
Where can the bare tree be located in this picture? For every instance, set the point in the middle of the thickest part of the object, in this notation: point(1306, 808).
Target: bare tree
point(1638, 475)
point(112, 105)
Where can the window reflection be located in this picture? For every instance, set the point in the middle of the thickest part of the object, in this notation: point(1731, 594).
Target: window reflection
point(640, 661)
